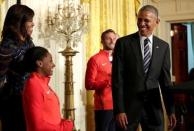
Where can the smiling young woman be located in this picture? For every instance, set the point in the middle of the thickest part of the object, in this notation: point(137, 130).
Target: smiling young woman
point(38, 96)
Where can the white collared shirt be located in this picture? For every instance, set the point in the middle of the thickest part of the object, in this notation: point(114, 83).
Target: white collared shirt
point(150, 42)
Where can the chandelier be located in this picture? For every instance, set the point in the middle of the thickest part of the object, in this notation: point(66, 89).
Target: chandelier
point(69, 22)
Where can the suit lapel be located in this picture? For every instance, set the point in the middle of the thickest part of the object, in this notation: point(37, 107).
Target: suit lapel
point(137, 51)
point(155, 52)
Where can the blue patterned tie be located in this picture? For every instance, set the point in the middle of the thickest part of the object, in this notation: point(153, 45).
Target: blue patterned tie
point(147, 55)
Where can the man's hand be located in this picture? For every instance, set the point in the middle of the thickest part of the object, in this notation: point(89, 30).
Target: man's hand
point(172, 121)
point(121, 118)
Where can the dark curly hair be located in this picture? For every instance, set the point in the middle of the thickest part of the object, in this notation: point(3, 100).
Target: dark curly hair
point(14, 24)
point(32, 55)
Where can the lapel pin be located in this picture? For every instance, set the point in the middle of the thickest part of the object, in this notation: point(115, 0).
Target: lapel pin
point(157, 47)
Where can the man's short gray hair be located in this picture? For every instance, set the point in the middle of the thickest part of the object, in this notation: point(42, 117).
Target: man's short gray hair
point(150, 8)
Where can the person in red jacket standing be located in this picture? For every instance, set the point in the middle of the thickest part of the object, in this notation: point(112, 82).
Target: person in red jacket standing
point(40, 102)
point(98, 78)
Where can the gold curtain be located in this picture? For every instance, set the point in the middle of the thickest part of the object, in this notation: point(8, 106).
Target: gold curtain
point(1, 1)
point(119, 15)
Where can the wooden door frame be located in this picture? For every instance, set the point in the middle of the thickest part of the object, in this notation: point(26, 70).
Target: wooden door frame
point(164, 29)
point(181, 73)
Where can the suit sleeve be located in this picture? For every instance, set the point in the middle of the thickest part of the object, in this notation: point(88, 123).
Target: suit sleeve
point(166, 84)
point(91, 81)
point(117, 78)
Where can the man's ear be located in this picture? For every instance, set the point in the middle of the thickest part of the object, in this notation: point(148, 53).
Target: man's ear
point(39, 63)
point(158, 20)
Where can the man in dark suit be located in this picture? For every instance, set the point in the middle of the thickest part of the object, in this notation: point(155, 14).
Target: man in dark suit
point(141, 66)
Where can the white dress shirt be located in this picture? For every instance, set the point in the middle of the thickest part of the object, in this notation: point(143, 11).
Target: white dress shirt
point(150, 43)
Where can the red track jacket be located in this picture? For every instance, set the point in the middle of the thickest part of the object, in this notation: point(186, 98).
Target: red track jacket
point(98, 78)
point(41, 106)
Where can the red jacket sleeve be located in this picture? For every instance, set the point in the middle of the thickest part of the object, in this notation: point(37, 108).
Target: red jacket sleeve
point(66, 125)
point(91, 80)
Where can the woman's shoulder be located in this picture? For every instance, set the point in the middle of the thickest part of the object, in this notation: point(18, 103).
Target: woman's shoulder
point(11, 47)
point(13, 44)
point(7, 48)
point(30, 43)
point(9, 43)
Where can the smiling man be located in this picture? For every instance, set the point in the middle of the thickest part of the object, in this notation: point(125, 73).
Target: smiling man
point(98, 78)
point(141, 65)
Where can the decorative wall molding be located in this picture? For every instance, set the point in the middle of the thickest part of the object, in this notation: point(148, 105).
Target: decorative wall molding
point(178, 5)
point(156, 1)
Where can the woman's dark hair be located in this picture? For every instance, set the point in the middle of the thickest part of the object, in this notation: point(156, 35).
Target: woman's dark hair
point(32, 55)
point(14, 24)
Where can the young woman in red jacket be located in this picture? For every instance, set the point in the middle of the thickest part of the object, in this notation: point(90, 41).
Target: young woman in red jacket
point(40, 102)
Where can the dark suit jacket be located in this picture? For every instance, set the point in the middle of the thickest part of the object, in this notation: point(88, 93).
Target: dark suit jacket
point(129, 81)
